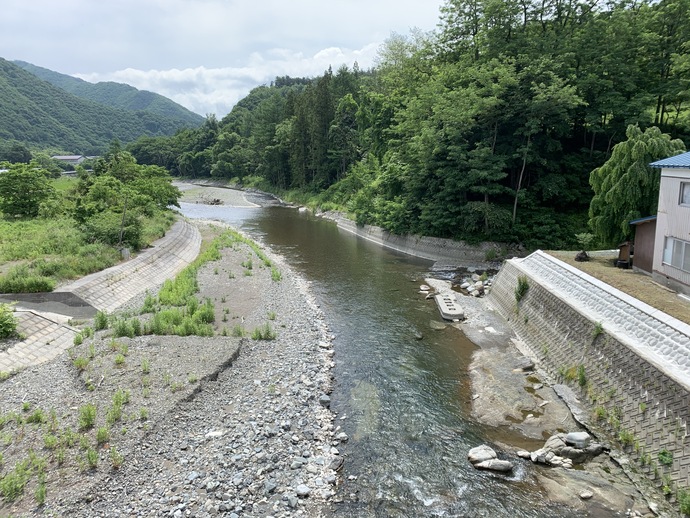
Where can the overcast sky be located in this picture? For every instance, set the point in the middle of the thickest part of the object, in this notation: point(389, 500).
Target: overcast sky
point(204, 54)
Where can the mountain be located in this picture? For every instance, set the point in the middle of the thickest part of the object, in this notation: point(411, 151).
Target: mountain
point(38, 114)
point(116, 95)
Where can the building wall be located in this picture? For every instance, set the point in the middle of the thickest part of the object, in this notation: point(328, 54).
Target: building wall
point(621, 390)
point(644, 246)
point(673, 220)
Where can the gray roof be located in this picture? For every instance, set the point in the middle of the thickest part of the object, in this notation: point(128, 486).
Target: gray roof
point(682, 160)
point(648, 219)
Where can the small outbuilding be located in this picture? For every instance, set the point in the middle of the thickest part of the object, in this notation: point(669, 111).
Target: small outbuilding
point(645, 229)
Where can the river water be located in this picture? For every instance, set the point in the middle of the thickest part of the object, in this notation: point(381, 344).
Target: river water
point(402, 400)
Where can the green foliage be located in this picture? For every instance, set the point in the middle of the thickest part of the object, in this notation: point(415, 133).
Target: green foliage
point(581, 376)
point(598, 329)
point(584, 240)
point(87, 416)
point(23, 188)
point(116, 458)
point(81, 363)
point(70, 122)
point(521, 288)
point(8, 322)
point(13, 483)
point(625, 187)
point(665, 457)
point(101, 321)
point(626, 437)
point(276, 275)
point(102, 435)
point(264, 332)
point(91, 457)
point(684, 501)
point(37, 417)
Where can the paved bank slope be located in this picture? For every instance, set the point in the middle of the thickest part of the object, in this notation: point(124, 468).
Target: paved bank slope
point(47, 335)
point(629, 360)
point(109, 289)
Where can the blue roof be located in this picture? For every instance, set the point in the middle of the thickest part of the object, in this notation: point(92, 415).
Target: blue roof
point(643, 220)
point(682, 160)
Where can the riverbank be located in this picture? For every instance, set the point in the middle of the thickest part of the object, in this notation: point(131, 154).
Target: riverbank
point(205, 426)
point(509, 403)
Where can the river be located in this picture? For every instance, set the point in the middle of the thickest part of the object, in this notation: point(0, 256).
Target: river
point(402, 400)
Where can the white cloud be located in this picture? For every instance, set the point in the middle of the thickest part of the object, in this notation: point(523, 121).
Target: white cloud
point(205, 54)
point(216, 90)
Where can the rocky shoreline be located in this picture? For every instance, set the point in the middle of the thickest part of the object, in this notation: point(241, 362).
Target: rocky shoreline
point(210, 426)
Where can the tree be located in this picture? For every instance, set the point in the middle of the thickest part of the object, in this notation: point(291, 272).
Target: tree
point(22, 190)
point(625, 187)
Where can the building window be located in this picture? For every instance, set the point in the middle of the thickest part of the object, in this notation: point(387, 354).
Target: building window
point(677, 253)
point(685, 193)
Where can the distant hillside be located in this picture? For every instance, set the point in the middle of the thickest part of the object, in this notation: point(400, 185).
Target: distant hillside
point(38, 114)
point(116, 95)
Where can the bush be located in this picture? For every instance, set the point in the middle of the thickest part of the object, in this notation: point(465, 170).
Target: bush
point(101, 321)
point(19, 279)
point(264, 332)
point(8, 322)
point(521, 288)
point(665, 457)
point(105, 227)
point(87, 416)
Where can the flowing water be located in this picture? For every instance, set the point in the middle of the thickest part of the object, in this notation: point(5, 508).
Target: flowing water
point(401, 399)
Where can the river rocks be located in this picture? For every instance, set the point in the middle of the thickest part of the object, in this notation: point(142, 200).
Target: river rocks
point(578, 439)
point(484, 457)
point(559, 452)
point(476, 285)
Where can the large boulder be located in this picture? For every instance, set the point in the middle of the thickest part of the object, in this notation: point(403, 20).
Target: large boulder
point(484, 457)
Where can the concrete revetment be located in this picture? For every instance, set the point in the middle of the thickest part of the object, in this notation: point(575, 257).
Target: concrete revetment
point(630, 361)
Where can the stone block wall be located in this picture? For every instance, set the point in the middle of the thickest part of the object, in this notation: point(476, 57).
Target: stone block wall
point(632, 396)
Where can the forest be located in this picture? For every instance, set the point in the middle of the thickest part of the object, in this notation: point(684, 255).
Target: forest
point(488, 128)
point(41, 116)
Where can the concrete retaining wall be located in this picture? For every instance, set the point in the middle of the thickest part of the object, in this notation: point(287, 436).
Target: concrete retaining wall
point(626, 360)
point(444, 251)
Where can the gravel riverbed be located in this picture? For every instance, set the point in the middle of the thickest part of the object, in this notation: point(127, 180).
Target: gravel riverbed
point(209, 426)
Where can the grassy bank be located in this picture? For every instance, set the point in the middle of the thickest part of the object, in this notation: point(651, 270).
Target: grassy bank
point(38, 254)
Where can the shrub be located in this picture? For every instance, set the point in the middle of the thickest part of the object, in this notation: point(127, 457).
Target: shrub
point(8, 322)
point(13, 483)
point(78, 339)
point(87, 416)
point(92, 458)
point(598, 329)
point(116, 458)
point(684, 501)
point(102, 435)
point(521, 288)
point(665, 457)
point(101, 321)
point(50, 441)
point(264, 332)
point(276, 275)
point(37, 417)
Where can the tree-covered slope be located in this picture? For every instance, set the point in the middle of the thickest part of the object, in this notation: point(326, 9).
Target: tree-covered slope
point(38, 114)
point(116, 95)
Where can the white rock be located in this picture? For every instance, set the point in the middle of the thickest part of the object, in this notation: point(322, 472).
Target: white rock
point(481, 454)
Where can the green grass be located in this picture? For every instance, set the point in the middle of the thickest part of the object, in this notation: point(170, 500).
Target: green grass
point(264, 332)
point(87, 416)
point(48, 251)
